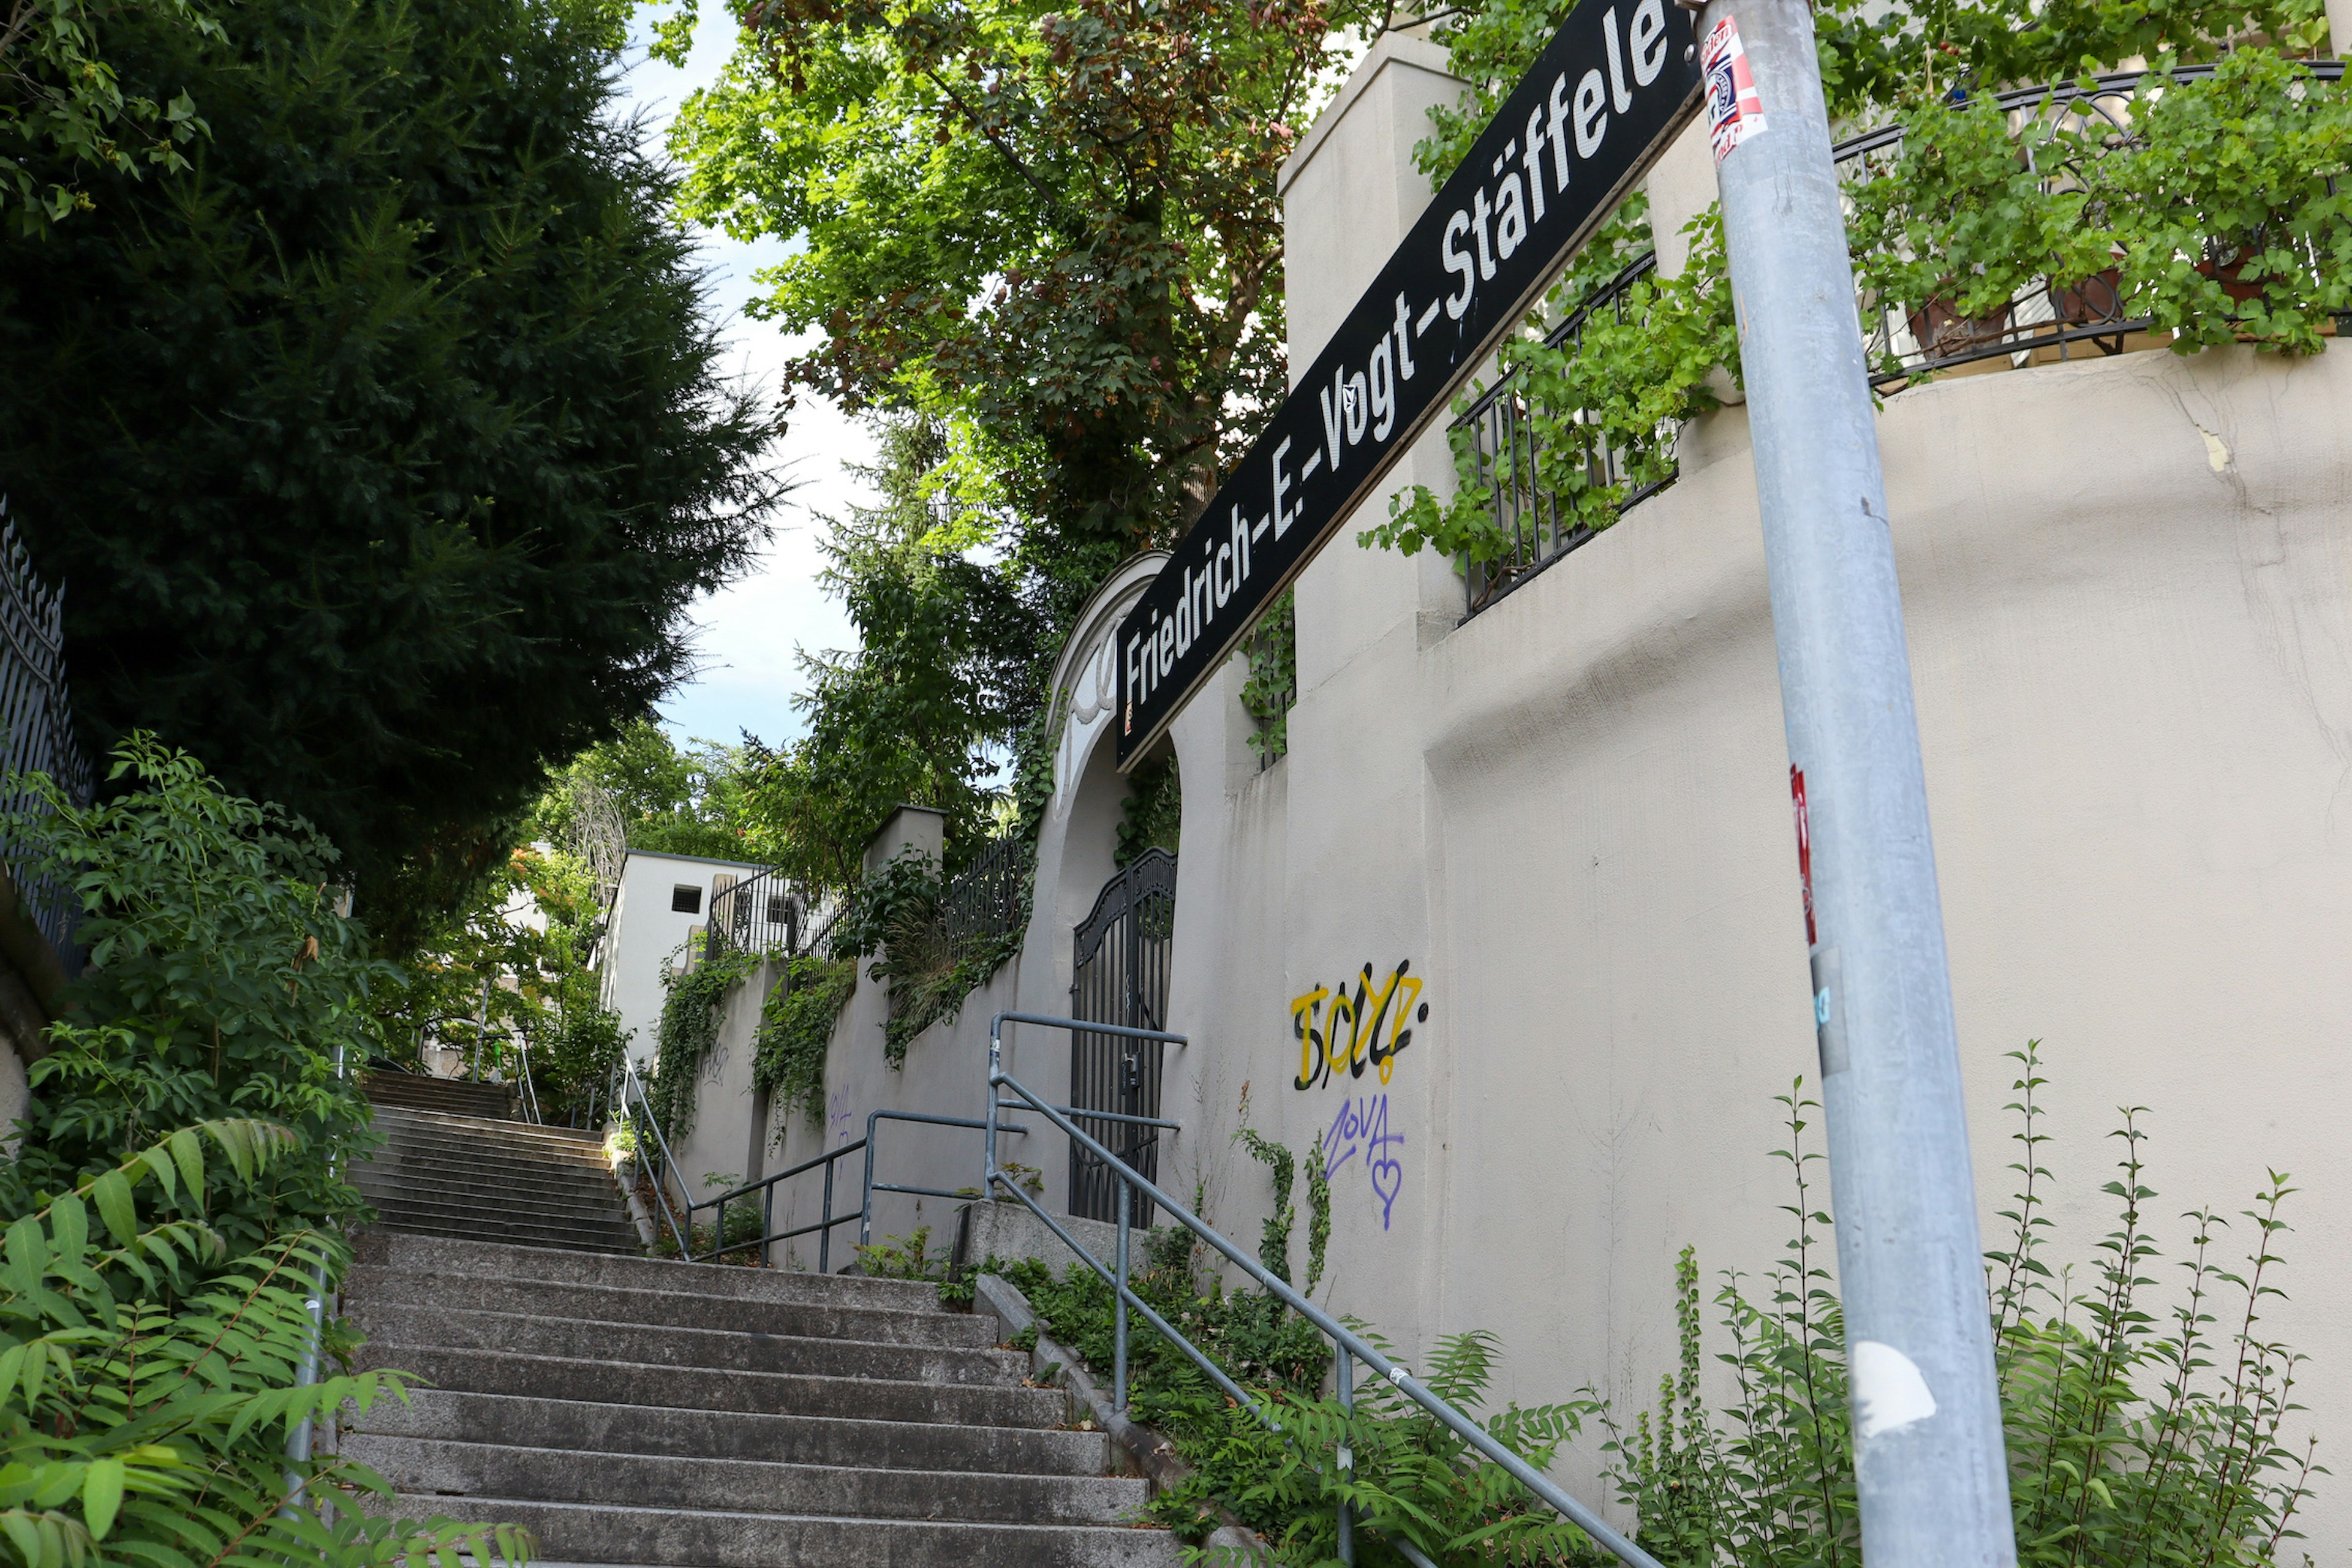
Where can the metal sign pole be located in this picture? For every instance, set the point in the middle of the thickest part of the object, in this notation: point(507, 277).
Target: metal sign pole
point(1928, 1453)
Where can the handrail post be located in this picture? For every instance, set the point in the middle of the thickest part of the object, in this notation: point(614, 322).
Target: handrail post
point(825, 1236)
point(1118, 1299)
point(1347, 1460)
point(768, 1224)
point(988, 1138)
point(866, 1209)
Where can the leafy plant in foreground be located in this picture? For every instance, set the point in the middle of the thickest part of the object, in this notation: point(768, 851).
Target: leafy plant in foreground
point(220, 982)
point(148, 1383)
point(2138, 1433)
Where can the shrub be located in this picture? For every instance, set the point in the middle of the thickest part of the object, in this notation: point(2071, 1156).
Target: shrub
point(148, 1381)
point(220, 983)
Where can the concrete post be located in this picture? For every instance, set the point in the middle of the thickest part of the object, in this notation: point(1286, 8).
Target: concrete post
point(1928, 1453)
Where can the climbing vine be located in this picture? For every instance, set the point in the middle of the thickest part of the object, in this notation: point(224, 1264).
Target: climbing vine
point(691, 1003)
point(1273, 684)
point(796, 1030)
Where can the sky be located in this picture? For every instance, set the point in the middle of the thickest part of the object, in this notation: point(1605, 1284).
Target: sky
point(747, 635)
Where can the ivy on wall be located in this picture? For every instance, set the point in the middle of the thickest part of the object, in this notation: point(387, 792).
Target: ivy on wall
point(2224, 215)
point(1273, 684)
point(796, 1030)
point(1153, 816)
point(692, 1002)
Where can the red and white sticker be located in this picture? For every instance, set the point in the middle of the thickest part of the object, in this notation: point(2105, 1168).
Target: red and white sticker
point(1735, 111)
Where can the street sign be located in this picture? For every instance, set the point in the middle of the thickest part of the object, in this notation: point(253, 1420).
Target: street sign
point(1615, 84)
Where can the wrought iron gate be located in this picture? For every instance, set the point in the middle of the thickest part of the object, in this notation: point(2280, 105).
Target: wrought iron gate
point(1121, 959)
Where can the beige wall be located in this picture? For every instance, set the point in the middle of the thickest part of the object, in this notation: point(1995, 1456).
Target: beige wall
point(2127, 583)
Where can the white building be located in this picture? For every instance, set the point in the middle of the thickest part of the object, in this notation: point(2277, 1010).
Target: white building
point(662, 904)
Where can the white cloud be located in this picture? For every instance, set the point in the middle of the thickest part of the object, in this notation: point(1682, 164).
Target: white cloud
point(747, 636)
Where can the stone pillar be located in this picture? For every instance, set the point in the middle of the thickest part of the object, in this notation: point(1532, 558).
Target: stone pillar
point(917, 828)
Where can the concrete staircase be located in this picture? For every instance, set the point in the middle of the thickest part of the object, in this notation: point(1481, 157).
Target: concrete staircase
point(638, 1412)
point(453, 1164)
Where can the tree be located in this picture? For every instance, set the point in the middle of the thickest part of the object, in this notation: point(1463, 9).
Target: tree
point(385, 451)
point(61, 107)
point(922, 711)
point(1054, 226)
point(672, 799)
point(506, 981)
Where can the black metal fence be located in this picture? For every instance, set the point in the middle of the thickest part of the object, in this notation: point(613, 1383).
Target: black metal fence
point(764, 913)
point(2049, 319)
point(36, 723)
point(989, 900)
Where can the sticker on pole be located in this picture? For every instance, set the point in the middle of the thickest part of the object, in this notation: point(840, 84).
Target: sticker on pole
point(1735, 111)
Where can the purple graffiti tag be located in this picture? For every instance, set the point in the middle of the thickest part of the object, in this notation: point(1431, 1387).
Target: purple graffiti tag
point(837, 1115)
point(1362, 1127)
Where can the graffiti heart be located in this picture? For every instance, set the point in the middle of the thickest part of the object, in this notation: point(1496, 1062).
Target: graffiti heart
point(1337, 1030)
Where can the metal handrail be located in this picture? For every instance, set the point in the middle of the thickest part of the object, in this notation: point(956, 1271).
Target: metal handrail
point(530, 1093)
point(872, 1122)
point(632, 1087)
point(766, 1187)
point(1348, 1346)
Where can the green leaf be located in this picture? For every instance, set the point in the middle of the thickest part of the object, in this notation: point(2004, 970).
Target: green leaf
point(102, 1495)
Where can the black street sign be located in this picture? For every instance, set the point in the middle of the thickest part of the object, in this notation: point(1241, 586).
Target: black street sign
point(1615, 84)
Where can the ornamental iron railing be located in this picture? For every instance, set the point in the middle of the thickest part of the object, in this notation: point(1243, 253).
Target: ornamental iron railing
point(36, 721)
point(989, 900)
point(2049, 319)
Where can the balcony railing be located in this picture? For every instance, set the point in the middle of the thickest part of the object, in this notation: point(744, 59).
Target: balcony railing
point(2049, 321)
point(37, 724)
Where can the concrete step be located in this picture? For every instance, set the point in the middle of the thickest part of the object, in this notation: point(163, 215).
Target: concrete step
point(459, 1415)
point(458, 1158)
point(439, 1093)
point(451, 1256)
point(711, 1388)
point(657, 1344)
point(599, 1242)
point(581, 1199)
point(560, 1475)
point(583, 1534)
point(442, 1291)
point(451, 1123)
point(587, 1208)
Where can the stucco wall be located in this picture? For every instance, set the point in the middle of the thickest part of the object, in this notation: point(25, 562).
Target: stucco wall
point(1562, 826)
point(2126, 582)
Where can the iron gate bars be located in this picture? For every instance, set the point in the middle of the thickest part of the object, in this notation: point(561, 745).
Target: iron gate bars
point(1348, 1347)
point(1120, 964)
point(36, 717)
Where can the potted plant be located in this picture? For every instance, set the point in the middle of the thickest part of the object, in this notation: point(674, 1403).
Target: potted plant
point(1968, 216)
point(2224, 207)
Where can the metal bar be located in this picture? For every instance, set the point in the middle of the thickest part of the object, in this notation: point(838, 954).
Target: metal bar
point(1344, 1369)
point(1469, 1431)
point(824, 1237)
point(866, 1208)
point(1216, 1375)
point(922, 1192)
point(1932, 1481)
point(768, 1215)
point(1088, 1025)
point(748, 1187)
point(1111, 1116)
point(1118, 1311)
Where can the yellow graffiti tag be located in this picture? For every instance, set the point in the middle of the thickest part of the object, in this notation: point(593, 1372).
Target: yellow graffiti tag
point(1349, 1035)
